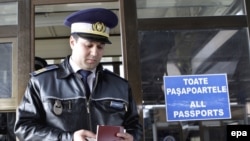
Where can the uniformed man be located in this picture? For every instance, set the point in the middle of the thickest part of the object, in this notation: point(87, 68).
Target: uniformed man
point(68, 101)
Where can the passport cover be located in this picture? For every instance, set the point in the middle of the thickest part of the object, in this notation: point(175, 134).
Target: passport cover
point(108, 133)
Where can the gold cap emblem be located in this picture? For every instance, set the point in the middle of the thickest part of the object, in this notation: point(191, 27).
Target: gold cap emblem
point(99, 27)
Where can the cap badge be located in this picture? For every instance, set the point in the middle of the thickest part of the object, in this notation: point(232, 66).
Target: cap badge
point(99, 27)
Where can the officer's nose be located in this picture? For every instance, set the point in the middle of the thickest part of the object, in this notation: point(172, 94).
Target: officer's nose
point(94, 51)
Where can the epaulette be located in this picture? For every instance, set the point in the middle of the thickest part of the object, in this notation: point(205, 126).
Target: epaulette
point(110, 72)
point(48, 68)
point(114, 74)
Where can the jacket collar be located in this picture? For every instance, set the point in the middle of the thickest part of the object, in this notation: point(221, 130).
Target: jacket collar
point(66, 70)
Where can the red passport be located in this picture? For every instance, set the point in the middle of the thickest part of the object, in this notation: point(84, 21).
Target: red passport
point(108, 133)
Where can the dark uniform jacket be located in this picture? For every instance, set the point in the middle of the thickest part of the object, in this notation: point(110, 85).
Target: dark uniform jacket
point(55, 105)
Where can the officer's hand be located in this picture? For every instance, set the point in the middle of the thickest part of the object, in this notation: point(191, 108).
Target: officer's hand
point(82, 135)
point(125, 136)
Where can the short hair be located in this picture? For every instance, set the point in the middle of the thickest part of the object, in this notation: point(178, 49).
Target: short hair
point(40, 63)
point(75, 36)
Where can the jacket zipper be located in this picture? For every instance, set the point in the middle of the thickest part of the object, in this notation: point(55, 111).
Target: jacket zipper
point(88, 100)
point(87, 103)
point(88, 107)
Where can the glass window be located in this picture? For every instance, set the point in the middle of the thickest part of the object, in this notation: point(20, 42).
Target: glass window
point(8, 13)
point(5, 70)
point(184, 52)
point(108, 67)
point(188, 8)
point(122, 71)
point(181, 52)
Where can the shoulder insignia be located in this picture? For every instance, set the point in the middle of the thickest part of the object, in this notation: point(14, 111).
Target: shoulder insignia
point(48, 68)
point(108, 71)
point(114, 74)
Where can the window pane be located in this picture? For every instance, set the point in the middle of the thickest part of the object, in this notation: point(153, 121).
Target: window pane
point(8, 13)
point(188, 8)
point(184, 52)
point(5, 70)
point(122, 71)
point(108, 67)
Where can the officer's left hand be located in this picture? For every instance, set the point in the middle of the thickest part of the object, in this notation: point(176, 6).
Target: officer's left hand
point(125, 136)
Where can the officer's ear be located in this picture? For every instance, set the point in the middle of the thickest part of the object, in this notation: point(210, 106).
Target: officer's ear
point(72, 41)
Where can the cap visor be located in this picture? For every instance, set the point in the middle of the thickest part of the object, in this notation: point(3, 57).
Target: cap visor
point(93, 37)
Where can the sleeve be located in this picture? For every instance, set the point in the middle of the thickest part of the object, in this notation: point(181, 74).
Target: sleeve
point(30, 122)
point(132, 121)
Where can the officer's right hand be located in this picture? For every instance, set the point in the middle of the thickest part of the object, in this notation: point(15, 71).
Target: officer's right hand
point(83, 135)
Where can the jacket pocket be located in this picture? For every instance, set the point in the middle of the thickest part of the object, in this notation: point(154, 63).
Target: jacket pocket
point(114, 106)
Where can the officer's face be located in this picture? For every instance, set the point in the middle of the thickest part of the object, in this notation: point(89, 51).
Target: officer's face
point(86, 53)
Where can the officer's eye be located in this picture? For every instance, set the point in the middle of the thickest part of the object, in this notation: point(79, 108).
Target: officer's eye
point(89, 45)
point(101, 46)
